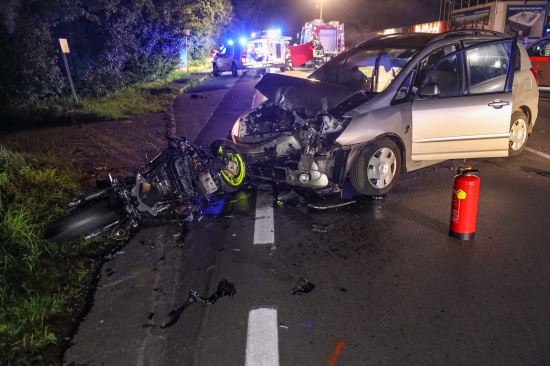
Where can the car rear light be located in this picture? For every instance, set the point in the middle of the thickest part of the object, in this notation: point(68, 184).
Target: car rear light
point(536, 75)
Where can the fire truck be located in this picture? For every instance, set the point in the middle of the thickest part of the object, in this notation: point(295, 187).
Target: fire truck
point(267, 50)
point(331, 36)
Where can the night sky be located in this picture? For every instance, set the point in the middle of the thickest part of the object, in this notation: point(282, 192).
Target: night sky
point(359, 16)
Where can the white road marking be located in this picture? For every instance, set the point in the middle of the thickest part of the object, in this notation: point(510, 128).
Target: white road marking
point(536, 152)
point(264, 231)
point(262, 342)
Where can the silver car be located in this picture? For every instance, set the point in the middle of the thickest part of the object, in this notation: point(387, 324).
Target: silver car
point(392, 104)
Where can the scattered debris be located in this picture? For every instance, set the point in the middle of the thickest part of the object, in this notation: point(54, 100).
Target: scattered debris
point(320, 228)
point(290, 197)
point(210, 268)
point(331, 206)
point(110, 272)
point(283, 325)
point(303, 286)
point(109, 257)
point(236, 250)
point(225, 288)
point(198, 96)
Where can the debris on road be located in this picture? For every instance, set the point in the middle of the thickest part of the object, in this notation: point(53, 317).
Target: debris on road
point(198, 96)
point(303, 286)
point(290, 197)
point(225, 288)
point(320, 228)
point(109, 257)
point(317, 207)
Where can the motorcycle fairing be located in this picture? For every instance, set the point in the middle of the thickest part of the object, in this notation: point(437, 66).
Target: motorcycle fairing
point(307, 96)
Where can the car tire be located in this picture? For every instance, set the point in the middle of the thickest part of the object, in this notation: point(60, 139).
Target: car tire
point(215, 70)
point(519, 132)
point(234, 70)
point(376, 168)
point(282, 68)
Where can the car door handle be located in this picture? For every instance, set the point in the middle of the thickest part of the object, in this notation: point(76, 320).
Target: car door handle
point(497, 104)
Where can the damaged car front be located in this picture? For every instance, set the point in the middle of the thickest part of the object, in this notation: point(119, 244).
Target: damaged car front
point(295, 135)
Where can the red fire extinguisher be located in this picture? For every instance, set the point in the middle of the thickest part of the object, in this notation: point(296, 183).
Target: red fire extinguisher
point(464, 203)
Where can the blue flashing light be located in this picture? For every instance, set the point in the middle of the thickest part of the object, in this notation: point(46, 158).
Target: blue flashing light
point(230, 42)
point(242, 40)
point(253, 34)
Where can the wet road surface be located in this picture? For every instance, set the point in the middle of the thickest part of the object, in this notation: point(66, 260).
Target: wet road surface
point(391, 287)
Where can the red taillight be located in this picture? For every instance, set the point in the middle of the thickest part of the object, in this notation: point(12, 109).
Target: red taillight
point(536, 75)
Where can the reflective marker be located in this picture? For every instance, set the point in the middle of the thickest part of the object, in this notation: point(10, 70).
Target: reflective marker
point(262, 342)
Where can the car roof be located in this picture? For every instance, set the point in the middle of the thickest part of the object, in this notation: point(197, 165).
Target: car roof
point(420, 40)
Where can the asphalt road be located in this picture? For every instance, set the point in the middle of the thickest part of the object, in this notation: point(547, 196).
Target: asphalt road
point(391, 287)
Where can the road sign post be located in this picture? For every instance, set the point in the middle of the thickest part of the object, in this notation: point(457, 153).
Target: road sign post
point(65, 49)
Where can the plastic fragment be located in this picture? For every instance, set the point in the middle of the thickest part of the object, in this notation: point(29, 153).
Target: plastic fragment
point(320, 228)
point(303, 286)
point(225, 288)
point(290, 197)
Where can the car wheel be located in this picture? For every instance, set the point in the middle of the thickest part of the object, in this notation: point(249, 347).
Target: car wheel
point(282, 68)
point(519, 131)
point(234, 70)
point(215, 70)
point(376, 168)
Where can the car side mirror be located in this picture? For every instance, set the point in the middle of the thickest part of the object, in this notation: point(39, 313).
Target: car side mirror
point(430, 90)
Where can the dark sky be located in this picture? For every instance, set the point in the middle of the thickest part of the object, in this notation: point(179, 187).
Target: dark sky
point(359, 16)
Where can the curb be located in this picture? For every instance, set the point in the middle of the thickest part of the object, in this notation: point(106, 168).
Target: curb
point(171, 119)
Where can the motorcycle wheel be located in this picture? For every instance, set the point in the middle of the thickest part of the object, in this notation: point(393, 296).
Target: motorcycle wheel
point(81, 221)
point(233, 173)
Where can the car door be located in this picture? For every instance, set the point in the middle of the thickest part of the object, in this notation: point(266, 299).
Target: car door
point(464, 107)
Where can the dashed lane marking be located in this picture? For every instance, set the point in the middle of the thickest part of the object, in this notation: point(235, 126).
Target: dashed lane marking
point(262, 343)
point(264, 232)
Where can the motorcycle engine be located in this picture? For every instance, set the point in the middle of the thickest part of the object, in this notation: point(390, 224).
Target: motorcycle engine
point(175, 176)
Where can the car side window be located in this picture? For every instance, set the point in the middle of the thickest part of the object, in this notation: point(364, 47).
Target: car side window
point(540, 49)
point(447, 75)
point(487, 67)
point(427, 64)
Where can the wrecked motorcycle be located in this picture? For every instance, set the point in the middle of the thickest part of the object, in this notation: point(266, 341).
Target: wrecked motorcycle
point(177, 181)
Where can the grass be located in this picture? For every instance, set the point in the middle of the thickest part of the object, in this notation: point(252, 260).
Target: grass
point(44, 285)
point(138, 99)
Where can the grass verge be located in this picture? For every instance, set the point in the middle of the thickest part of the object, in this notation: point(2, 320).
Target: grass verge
point(138, 99)
point(40, 281)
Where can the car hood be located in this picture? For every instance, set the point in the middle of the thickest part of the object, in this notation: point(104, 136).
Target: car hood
point(308, 96)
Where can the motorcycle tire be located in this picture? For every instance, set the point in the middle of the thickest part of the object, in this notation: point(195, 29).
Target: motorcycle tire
point(81, 221)
point(233, 174)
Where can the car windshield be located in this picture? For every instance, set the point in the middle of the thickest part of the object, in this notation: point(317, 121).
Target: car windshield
point(370, 69)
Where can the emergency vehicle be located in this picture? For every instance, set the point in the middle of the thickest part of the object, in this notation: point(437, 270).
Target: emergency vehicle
point(269, 49)
point(331, 36)
point(539, 53)
point(228, 57)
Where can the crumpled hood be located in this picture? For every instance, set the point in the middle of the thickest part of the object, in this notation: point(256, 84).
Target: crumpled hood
point(297, 94)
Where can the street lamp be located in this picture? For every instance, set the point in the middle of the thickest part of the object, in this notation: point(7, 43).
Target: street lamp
point(321, 8)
